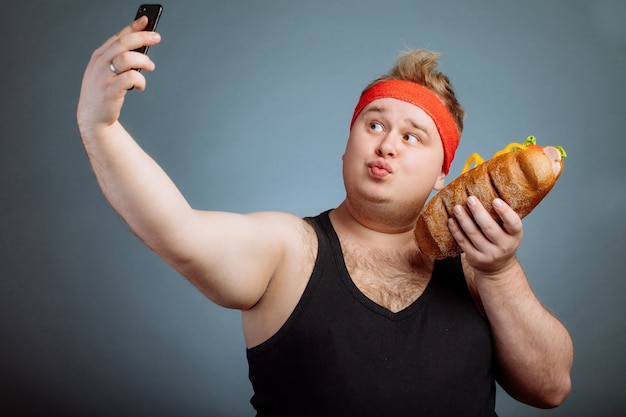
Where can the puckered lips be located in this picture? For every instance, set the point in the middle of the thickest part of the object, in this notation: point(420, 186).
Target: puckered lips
point(379, 168)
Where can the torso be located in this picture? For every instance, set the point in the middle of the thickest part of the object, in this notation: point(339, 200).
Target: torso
point(391, 277)
point(340, 320)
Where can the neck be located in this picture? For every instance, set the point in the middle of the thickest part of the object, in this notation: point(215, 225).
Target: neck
point(372, 226)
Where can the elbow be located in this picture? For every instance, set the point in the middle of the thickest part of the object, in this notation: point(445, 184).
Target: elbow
point(554, 395)
point(549, 394)
point(558, 393)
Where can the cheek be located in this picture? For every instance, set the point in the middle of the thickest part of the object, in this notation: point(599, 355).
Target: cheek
point(425, 167)
point(435, 161)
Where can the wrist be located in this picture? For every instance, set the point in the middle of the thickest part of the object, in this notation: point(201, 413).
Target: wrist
point(511, 268)
point(92, 130)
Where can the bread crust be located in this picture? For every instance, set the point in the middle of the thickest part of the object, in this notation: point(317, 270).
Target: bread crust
point(521, 178)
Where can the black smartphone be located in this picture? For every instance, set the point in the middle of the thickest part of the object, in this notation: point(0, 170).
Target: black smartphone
point(153, 11)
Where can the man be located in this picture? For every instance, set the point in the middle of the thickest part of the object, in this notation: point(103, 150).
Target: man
point(342, 314)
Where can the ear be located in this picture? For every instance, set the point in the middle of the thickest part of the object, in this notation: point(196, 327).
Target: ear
point(440, 182)
point(343, 156)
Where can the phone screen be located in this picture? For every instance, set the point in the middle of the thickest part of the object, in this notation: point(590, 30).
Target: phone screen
point(153, 11)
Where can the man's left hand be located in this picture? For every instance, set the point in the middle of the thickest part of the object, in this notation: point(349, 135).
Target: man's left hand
point(489, 247)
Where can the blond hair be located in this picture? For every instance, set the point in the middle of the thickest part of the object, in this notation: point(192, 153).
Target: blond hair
point(420, 66)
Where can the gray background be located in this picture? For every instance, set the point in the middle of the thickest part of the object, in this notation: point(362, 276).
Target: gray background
point(248, 110)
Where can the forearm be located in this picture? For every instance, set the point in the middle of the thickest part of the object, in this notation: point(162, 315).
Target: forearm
point(135, 186)
point(533, 349)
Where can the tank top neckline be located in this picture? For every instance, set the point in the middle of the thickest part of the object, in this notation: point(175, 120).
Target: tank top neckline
point(338, 256)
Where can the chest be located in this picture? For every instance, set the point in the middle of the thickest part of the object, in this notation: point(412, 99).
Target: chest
point(393, 279)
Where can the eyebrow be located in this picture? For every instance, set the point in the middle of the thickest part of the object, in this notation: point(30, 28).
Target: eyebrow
point(418, 126)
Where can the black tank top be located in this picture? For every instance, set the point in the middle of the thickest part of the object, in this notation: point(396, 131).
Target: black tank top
point(341, 354)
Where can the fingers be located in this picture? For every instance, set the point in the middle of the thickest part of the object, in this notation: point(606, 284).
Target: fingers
point(128, 80)
point(130, 60)
point(117, 57)
point(109, 75)
point(511, 222)
point(484, 239)
point(135, 26)
point(122, 54)
point(119, 49)
point(479, 221)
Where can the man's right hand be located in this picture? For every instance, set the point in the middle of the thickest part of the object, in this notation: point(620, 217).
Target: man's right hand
point(111, 73)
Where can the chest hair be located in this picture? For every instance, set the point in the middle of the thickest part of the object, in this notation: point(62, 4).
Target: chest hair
point(393, 278)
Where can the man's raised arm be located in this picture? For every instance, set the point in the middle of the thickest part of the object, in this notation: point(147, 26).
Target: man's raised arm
point(229, 257)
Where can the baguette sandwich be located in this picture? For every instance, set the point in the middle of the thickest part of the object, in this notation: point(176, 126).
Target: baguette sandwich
point(521, 175)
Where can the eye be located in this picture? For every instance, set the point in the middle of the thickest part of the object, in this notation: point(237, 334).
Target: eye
point(412, 138)
point(376, 127)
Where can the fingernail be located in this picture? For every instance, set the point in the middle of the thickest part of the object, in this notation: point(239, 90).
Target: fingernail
point(471, 201)
point(458, 210)
point(497, 202)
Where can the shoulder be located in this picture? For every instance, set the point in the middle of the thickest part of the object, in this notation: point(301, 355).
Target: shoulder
point(285, 226)
point(271, 228)
point(297, 237)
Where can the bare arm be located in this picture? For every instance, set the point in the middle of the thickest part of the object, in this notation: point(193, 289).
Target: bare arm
point(229, 257)
point(533, 349)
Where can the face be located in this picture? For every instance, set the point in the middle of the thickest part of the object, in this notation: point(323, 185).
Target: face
point(393, 158)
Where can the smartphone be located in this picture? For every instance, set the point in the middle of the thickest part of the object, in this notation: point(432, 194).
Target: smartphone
point(153, 11)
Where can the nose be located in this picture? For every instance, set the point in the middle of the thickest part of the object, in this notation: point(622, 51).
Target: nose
point(387, 147)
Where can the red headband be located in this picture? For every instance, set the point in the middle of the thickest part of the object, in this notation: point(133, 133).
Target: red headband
point(426, 100)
